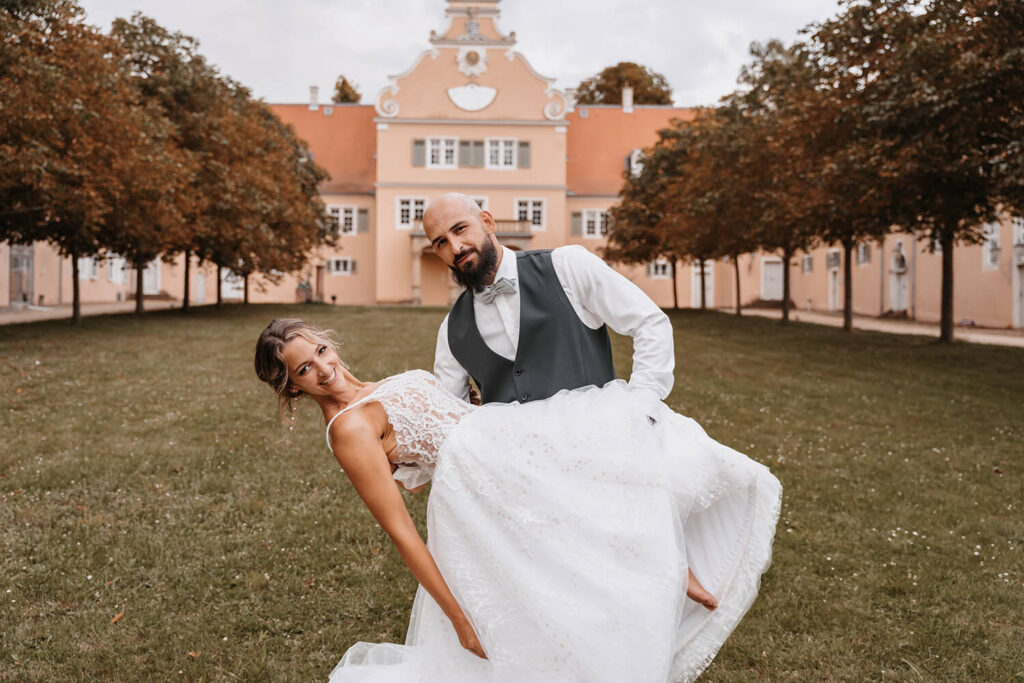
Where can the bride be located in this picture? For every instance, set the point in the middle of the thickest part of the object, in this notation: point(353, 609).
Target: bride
point(564, 535)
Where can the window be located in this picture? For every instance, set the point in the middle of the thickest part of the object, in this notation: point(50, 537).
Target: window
point(117, 270)
point(342, 218)
point(482, 202)
point(990, 249)
point(863, 254)
point(1018, 230)
point(441, 152)
point(808, 263)
point(659, 270)
point(531, 210)
point(501, 153)
point(341, 266)
point(410, 210)
point(595, 223)
point(636, 162)
point(88, 268)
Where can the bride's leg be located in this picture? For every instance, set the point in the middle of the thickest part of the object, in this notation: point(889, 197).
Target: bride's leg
point(696, 592)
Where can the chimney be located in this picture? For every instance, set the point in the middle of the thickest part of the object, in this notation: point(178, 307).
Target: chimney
point(314, 94)
point(627, 98)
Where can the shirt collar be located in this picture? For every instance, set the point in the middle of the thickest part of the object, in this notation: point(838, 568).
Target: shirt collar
point(507, 267)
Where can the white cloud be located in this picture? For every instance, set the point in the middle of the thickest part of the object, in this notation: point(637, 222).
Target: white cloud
point(280, 49)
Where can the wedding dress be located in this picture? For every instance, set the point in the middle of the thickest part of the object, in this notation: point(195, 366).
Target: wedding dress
point(565, 528)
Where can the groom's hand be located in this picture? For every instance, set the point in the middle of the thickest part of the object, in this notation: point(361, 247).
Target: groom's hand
point(474, 396)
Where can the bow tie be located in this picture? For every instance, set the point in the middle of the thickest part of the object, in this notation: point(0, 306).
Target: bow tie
point(502, 286)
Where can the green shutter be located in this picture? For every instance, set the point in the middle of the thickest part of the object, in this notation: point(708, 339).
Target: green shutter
point(577, 223)
point(465, 152)
point(363, 221)
point(419, 152)
point(524, 154)
point(478, 153)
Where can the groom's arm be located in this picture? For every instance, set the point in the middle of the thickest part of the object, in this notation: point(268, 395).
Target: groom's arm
point(449, 371)
point(601, 295)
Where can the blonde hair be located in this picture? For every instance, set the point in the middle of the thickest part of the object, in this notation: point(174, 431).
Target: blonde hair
point(269, 362)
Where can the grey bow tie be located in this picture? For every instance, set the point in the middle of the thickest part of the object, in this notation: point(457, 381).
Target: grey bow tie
point(502, 286)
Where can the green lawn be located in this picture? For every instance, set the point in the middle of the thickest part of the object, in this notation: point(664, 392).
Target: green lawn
point(159, 523)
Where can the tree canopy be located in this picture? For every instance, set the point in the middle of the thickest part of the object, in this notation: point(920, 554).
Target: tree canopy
point(345, 92)
point(649, 86)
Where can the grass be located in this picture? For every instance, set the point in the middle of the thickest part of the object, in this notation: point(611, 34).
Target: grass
point(159, 523)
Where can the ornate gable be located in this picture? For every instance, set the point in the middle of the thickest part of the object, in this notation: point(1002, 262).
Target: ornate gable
point(471, 72)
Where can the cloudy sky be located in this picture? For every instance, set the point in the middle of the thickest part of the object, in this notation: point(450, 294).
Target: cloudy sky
point(279, 49)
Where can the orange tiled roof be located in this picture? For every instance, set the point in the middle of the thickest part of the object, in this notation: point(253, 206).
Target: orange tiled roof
point(344, 143)
point(601, 140)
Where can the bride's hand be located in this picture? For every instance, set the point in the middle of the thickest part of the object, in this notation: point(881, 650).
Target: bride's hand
point(467, 637)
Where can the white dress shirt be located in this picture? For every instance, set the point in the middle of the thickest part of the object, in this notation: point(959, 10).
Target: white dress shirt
point(598, 294)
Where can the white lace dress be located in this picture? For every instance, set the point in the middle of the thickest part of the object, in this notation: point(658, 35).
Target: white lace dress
point(564, 528)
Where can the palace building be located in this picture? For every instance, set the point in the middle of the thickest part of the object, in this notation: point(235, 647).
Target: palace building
point(472, 115)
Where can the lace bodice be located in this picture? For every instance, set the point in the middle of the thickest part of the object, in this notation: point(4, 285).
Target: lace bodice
point(422, 413)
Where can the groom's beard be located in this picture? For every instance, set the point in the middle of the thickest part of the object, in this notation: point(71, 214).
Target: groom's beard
point(475, 278)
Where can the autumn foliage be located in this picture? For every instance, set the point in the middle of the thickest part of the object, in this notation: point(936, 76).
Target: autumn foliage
point(895, 115)
point(131, 144)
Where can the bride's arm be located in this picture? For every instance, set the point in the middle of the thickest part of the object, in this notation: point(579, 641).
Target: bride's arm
point(360, 453)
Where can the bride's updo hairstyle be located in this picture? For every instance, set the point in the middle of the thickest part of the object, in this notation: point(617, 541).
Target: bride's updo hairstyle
point(269, 362)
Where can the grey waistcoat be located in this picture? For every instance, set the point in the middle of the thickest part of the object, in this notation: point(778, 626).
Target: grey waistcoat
point(556, 350)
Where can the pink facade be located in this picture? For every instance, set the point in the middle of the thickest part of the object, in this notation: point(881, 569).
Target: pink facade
point(471, 115)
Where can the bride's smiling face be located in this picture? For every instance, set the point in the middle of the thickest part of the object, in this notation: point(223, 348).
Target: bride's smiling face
point(313, 368)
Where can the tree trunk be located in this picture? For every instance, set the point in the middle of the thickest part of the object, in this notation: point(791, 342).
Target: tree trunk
point(786, 256)
point(946, 323)
point(675, 288)
point(848, 285)
point(739, 305)
point(76, 295)
point(245, 289)
point(139, 266)
point(188, 265)
point(220, 293)
point(703, 287)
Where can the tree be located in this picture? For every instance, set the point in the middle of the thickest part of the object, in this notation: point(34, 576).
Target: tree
point(345, 92)
point(644, 225)
point(649, 87)
point(78, 143)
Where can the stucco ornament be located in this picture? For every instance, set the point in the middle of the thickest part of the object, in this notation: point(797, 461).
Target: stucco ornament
point(472, 60)
point(472, 97)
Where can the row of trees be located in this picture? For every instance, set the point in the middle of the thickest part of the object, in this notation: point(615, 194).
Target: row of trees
point(896, 115)
point(130, 143)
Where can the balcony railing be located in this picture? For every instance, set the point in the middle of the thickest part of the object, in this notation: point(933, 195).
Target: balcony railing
point(508, 227)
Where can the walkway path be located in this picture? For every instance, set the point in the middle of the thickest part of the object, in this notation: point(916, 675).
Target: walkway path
point(30, 314)
point(974, 335)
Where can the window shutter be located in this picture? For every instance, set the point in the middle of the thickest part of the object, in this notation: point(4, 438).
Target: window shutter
point(352, 267)
point(650, 269)
point(363, 223)
point(577, 223)
point(524, 154)
point(419, 152)
point(465, 152)
point(478, 153)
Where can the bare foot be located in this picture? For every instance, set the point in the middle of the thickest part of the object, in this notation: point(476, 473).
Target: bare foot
point(696, 592)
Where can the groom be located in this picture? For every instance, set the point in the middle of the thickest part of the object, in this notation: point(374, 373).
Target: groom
point(533, 323)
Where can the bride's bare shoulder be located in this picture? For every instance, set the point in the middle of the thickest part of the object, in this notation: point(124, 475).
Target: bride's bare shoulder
point(365, 421)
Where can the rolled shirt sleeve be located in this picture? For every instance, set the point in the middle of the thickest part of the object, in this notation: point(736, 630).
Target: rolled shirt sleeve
point(449, 371)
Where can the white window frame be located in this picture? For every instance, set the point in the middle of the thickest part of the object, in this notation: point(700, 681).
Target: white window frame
point(88, 268)
point(483, 202)
point(592, 220)
point(532, 208)
point(636, 162)
point(342, 265)
point(504, 146)
point(1018, 230)
point(660, 269)
point(992, 240)
point(443, 144)
point(417, 205)
point(117, 270)
point(864, 254)
point(838, 259)
point(807, 265)
point(346, 215)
